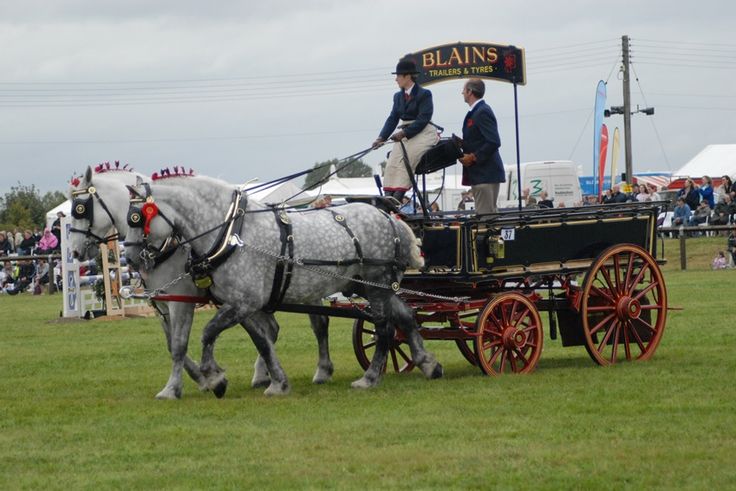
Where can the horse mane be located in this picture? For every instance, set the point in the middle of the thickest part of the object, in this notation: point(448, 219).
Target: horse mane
point(101, 169)
point(167, 173)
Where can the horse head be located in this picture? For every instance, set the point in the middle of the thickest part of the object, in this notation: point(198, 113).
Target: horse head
point(97, 200)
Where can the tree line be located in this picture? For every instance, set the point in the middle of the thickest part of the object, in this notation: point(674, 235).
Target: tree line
point(24, 207)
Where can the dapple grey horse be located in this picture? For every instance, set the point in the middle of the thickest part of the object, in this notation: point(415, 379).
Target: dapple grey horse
point(372, 247)
point(176, 317)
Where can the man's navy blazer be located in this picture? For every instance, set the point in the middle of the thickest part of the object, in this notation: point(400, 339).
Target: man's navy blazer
point(418, 108)
point(480, 136)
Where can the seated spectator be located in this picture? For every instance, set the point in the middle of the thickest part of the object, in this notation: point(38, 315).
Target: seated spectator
point(723, 210)
point(6, 248)
point(643, 195)
point(632, 197)
point(607, 197)
point(706, 191)
point(720, 261)
point(531, 202)
point(27, 245)
point(48, 243)
point(654, 194)
point(544, 201)
point(617, 196)
point(24, 278)
point(681, 213)
point(700, 215)
point(690, 194)
point(6, 276)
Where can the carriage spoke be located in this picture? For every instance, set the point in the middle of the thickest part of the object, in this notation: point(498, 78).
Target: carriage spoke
point(637, 338)
point(394, 361)
point(639, 277)
point(523, 316)
point(495, 342)
point(512, 360)
point(607, 277)
point(512, 315)
point(616, 268)
point(369, 345)
point(602, 344)
point(601, 293)
point(629, 270)
point(627, 348)
point(614, 351)
point(601, 323)
point(601, 308)
point(494, 356)
point(503, 360)
point(522, 357)
point(646, 324)
point(646, 290)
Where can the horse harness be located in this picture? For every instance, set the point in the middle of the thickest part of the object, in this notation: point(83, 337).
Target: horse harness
point(201, 267)
point(82, 208)
point(285, 261)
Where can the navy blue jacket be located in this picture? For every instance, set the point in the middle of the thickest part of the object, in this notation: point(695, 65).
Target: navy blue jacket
point(418, 108)
point(480, 136)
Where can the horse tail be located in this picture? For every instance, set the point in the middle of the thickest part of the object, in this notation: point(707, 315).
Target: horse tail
point(409, 245)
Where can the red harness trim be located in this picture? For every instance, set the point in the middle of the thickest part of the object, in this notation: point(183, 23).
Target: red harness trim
point(181, 298)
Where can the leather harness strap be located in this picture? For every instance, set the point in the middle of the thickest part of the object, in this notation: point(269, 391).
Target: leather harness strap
point(284, 268)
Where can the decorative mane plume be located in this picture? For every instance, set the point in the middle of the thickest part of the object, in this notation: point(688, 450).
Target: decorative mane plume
point(107, 167)
point(166, 173)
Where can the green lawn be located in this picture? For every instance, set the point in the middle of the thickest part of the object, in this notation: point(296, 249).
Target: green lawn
point(77, 409)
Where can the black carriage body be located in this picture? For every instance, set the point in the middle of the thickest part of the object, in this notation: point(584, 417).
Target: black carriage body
point(522, 244)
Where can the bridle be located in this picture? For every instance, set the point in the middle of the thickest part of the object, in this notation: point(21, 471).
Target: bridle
point(83, 209)
point(141, 212)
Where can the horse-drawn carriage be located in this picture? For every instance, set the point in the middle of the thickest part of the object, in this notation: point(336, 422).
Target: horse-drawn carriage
point(481, 283)
point(594, 269)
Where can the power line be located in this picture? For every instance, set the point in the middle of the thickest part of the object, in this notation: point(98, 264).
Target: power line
point(680, 42)
point(654, 126)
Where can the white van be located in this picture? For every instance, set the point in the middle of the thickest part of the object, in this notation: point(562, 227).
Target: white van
point(559, 178)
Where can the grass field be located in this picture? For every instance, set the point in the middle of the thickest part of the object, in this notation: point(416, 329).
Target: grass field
point(77, 409)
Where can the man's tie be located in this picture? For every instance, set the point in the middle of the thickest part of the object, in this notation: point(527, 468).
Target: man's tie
point(406, 97)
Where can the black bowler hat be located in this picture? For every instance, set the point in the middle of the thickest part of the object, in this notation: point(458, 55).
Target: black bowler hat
point(405, 67)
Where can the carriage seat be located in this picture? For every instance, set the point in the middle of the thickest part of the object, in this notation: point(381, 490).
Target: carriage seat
point(389, 204)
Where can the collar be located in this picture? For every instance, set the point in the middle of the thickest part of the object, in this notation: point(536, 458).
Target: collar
point(410, 89)
point(475, 104)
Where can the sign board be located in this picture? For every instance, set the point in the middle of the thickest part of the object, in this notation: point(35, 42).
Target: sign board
point(69, 273)
point(467, 60)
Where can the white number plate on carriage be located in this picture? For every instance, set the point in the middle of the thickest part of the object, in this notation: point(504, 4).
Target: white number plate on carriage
point(508, 234)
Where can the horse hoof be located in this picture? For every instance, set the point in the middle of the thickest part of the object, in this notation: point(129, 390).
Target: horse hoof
point(220, 389)
point(260, 382)
point(322, 376)
point(363, 383)
point(431, 368)
point(278, 389)
point(438, 372)
point(168, 394)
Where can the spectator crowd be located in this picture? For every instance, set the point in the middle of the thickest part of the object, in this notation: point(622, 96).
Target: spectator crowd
point(21, 275)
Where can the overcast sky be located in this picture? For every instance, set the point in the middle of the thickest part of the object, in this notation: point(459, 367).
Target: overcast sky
point(243, 90)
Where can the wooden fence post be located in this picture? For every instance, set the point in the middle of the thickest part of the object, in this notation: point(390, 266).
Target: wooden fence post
point(683, 251)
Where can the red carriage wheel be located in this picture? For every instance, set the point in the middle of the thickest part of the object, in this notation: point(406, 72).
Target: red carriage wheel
point(623, 305)
point(509, 335)
point(364, 344)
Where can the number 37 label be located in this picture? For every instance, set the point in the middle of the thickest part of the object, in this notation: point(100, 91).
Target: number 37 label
point(508, 233)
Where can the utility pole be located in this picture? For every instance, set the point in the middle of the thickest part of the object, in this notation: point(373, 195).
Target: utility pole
point(627, 110)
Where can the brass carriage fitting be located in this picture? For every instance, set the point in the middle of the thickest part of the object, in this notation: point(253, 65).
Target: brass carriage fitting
point(496, 247)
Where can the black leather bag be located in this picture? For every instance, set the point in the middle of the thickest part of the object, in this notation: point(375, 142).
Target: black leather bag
point(444, 154)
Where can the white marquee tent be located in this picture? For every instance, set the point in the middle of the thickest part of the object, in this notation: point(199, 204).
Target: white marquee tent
point(713, 161)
